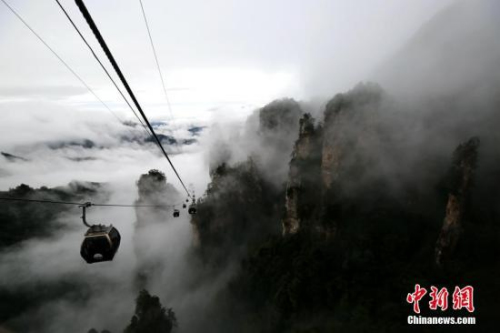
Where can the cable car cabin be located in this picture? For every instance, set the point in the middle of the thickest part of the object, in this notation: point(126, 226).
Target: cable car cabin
point(192, 209)
point(100, 243)
point(176, 213)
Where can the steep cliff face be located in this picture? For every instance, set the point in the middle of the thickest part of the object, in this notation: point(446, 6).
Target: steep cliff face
point(358, 222)
point(154, 190)
point(303, 182)
point(363, 207)
point(333, 161)
point(245, 199)
point(267, 137)
point(276, 134)
point(350, 150)
point(351, 132)
point(461, 181)
point(279, 119)
point(240, 208)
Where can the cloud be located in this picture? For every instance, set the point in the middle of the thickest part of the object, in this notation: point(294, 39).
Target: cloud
point(248, 53)
point(455, 51)
point(41, 91)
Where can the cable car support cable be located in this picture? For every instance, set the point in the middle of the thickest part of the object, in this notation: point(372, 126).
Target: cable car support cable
point(108, 53)
point(68, 67)
point(101, 64)
point(88, 204)
point(156, 59)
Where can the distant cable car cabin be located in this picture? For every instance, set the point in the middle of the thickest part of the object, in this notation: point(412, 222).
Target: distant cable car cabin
point(192, 206)
point(100, 242)
point(176, 213)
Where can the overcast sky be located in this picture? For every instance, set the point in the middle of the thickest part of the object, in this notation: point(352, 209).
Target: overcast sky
point(219, 54)
point(221, 59)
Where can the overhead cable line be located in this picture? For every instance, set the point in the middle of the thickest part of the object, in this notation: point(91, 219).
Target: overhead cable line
point(156, 59)
point(101, 64)
point(81, 204)
point(60, 59)
point(41, 201)
point(108, 53)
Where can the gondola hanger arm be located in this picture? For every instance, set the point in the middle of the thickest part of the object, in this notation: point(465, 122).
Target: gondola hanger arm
point(84, 208)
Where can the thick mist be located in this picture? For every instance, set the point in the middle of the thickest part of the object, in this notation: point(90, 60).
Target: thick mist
point(57, 148)
point(437, 91)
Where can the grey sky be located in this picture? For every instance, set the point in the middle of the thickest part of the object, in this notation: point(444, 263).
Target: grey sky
point(220, 53)
point(221, 59)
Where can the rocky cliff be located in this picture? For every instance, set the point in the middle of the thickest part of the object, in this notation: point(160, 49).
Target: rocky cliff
point(154, 190)
point(303, 186)
point(364, 203)
point(460, 187)
point(332, 160)
point(245, 198)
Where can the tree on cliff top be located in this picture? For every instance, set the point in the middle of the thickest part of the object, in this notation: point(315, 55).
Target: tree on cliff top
point(151, 316)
